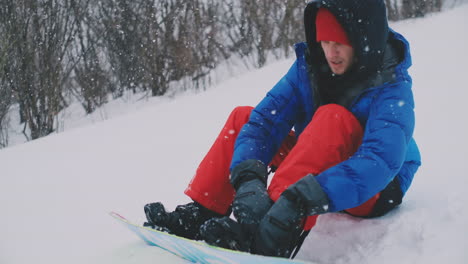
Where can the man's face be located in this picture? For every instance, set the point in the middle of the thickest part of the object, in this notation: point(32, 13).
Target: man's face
point(340, 57)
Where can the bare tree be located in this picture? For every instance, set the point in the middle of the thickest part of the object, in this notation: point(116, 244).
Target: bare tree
point(91, 83)
point(393, 11)
point(5, 89)
point(117, 24)
point(419, 8)
point(238, 29)
point(257, 28)
point(435, 5)
point(150, 44)
point(288, 23)
point(38, 65)
point(194, 45)
point(248, 28)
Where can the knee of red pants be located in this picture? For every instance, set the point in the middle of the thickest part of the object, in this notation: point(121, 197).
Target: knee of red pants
point(333, 135)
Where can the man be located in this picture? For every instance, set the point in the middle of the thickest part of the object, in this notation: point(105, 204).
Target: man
point(349, 102)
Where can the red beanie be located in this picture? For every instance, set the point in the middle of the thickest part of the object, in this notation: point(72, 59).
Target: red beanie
point(329, 29)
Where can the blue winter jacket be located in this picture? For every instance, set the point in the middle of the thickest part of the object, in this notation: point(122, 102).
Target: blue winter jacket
point(385, 111)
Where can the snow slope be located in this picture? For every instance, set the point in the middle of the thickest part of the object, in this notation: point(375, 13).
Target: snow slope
point(55, 192)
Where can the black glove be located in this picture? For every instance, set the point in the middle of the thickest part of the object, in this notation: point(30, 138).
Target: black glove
point(251, 202)
point(308, 193)
point(279, 231)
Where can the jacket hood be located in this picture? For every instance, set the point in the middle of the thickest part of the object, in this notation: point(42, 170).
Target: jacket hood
point(365, 23)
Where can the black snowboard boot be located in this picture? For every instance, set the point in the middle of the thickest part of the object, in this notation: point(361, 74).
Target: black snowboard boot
point(185, 221)
point(226, 233)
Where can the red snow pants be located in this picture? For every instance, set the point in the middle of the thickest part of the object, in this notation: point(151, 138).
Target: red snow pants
point(333, 135)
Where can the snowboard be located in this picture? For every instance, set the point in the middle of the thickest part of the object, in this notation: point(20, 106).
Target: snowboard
point(196, 251)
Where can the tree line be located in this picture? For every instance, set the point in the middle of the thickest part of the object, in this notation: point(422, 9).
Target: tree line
point(53, 51)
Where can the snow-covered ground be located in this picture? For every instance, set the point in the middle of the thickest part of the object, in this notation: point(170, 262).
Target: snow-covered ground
point(55, 192)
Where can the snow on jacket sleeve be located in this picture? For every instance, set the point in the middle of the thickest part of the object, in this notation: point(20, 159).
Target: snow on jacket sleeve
point(382, 153)
point(269, 122)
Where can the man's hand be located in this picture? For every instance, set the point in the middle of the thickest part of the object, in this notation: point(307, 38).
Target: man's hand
point(252, 201)
point(308, 193)
point(279, 231)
